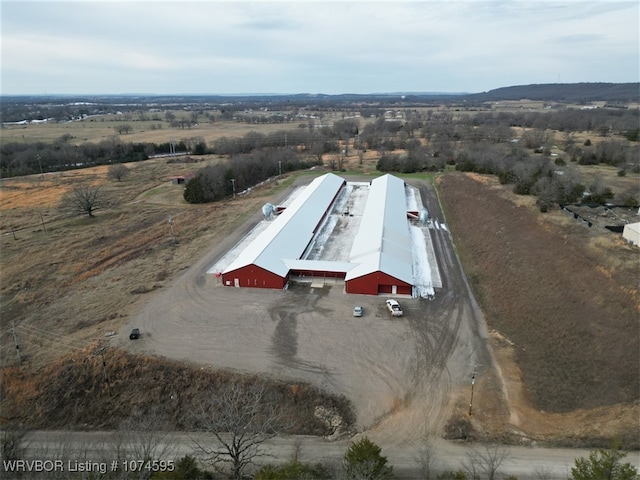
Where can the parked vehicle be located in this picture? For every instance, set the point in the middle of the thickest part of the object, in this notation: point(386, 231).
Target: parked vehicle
point(394, 308)
point(357, 311)
point(135, 334)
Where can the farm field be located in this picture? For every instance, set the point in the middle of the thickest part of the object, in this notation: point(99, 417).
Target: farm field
point(103, 127)
point(561, 302)
point(97, 130)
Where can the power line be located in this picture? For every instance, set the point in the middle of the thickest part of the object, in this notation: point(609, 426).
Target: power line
point(52, 337)
point(100, 351)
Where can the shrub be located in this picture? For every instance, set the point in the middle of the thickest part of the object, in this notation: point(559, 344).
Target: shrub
point(363, 460)
point(604, 465)
point(448, 475)
point(186, 468)
point(293, 470)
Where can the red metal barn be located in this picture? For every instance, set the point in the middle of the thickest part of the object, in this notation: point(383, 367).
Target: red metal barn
point(376, 283)
point(253, 276)
point(382, 248)
point(263, 263)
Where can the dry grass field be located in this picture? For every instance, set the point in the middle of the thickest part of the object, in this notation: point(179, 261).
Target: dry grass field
point(70, 393)
point(68, 279)
point(98, 128)
point(562, 303)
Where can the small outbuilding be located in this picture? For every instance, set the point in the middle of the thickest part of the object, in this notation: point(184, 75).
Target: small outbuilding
point(631, 233)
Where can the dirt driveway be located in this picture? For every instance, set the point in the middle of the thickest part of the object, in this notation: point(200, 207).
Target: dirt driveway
point(400, 374)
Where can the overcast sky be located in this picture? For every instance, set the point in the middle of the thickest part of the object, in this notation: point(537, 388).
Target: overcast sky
point(240, 47)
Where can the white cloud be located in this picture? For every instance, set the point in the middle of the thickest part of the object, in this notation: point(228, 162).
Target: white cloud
point(304, 46)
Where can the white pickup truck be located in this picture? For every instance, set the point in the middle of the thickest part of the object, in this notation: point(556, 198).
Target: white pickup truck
point(394, 308)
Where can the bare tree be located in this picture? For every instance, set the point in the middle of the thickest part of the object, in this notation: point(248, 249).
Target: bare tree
point(14, 445)
point(536, 138)
point(64, 450)
point(143, 437)
point(426, 460)
point(241, 417)
point(123, 128)
point(117, 171)
point(485, 462)
point(543, 473)
point(84, 199)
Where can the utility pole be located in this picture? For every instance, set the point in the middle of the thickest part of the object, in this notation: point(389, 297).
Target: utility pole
point(101, 350)
point(42, 221)
point(233, 185)
point(40, 164)
point(173, 233)
point(473, 382)
point(15, 340)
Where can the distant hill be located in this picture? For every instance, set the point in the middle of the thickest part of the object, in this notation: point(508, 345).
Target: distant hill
point(612, 93)
point(564, 92)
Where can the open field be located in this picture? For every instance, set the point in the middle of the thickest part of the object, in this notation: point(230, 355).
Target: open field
point(95, 130)
point(75, 275)
point(103, 127)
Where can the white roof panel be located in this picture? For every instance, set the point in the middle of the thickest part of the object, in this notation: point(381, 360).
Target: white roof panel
point(383, 241)
point(290, 233)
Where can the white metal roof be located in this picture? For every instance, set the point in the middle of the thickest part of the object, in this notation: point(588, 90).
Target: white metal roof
point(289, 234)
point(318, 265)
point(633, 226)
point(383, 241)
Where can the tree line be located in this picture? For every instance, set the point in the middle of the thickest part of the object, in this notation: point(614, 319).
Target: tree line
point(243, 171)
point(28, 158)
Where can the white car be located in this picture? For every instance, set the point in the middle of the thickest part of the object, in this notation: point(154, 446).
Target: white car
point(394, 308)
point(357, 311)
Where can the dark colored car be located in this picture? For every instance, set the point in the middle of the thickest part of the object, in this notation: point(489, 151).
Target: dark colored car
point(135, 334)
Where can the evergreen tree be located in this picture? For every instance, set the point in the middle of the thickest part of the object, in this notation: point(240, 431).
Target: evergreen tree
point(363, 461)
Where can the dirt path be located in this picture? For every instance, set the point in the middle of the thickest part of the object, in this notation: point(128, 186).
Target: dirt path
point(402, 375)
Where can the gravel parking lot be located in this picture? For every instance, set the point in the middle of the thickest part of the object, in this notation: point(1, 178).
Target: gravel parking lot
point(398, 372)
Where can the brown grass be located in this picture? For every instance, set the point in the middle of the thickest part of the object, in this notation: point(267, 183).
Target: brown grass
point(102, 128)
point(572, 318)
point(71, 393)
point(76, 274)
point(77, 278)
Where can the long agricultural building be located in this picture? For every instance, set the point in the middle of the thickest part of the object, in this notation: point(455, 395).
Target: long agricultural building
point(380, 260)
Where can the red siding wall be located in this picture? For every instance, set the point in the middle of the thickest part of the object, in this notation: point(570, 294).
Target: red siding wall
point(253, 276)
point(377, 282)
point(318, 273)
